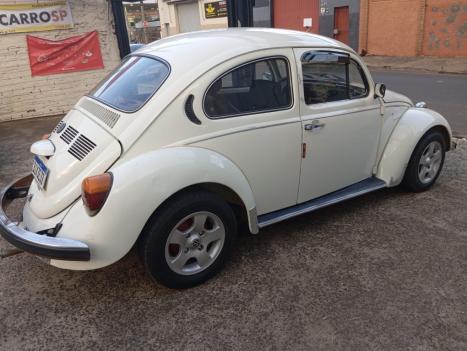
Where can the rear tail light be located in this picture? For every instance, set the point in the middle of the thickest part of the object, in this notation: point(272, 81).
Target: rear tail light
point(94, 191)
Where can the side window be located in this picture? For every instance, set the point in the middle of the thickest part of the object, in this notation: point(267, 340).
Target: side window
point(331, 77)
point(259, 86)
point(357, 83)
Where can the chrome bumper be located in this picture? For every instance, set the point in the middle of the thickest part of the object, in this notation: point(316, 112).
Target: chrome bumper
point(38, 244)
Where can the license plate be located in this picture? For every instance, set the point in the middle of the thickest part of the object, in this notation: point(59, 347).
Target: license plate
point(40, 172)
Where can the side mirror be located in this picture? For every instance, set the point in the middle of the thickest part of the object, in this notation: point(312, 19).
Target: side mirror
point(380, 90)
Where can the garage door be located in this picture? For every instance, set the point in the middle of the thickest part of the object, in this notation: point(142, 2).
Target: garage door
point(188, 17)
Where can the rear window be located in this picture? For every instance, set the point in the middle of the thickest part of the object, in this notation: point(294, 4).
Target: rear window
point(132, 84)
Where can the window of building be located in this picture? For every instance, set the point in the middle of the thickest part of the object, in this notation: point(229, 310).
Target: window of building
point(259, 86)
point(329, 77)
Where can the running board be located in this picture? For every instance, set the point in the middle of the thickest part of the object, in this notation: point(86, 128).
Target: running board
point(357, 189)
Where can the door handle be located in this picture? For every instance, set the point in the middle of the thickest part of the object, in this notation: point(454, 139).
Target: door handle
point(314, 125)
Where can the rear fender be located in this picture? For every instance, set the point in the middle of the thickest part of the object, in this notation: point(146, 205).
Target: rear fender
point(140, 186)
point(412, 126)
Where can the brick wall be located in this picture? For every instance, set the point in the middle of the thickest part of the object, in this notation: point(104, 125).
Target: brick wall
point(23, 96)
point(392, 27)
point(414, 27)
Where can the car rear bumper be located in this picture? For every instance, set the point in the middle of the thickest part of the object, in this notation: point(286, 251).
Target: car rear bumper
point(39, 244)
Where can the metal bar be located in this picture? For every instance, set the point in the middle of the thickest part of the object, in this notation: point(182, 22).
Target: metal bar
point(360, 188)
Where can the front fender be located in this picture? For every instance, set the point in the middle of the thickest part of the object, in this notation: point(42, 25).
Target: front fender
point(140, 186)
point(412, 126)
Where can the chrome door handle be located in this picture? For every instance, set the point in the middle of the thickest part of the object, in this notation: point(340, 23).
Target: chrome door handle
point(314, 125)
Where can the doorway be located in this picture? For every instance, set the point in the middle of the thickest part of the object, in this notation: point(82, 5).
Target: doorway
point(341, 24)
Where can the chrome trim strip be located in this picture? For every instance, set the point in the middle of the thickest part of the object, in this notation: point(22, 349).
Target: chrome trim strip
point(312, 115)
point(360, 188)
point(42, 245)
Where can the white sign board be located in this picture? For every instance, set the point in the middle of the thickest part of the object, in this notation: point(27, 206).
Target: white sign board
point(35, 17)
point(307, 22)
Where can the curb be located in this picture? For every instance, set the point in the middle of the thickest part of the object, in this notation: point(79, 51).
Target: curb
point(459, 142)
point(413, 69)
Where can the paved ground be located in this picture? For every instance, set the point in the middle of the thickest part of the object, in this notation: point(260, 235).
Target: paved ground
point(445, 93)
point(387, 271)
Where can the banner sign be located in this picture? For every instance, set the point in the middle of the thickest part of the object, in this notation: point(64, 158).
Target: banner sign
point(35, 17)
point(215, 9)
point(78, 53)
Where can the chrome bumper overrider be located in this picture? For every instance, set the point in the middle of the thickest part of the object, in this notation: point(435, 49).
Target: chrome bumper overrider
point(38, 244)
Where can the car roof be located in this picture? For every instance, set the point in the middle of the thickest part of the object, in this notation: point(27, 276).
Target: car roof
point(204, 49)
point(192, 54)
point(237, 41)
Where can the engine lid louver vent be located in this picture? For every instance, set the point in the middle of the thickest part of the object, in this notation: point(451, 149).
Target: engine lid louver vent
point(107, 116)
point(59, 127)
point(69, 134)
point(81, 147)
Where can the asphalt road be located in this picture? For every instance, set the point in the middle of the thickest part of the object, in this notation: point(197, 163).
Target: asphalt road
point(387, 271)
point(445, 93)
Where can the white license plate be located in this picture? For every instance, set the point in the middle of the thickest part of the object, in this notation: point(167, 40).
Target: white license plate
point(40, 172)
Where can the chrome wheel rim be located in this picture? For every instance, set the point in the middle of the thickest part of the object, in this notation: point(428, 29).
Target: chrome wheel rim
point(194, 243)
point(430, 162)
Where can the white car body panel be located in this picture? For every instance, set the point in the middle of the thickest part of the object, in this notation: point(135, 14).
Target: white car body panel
point(343, 151)
point(157, 151)
point(276, 136)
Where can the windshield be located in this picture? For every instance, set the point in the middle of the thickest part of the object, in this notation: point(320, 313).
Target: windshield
point(131, 85)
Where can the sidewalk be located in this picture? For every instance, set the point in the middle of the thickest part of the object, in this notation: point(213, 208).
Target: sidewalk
point(455, 65)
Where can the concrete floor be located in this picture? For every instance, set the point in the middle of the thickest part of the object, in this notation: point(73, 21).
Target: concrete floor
point(387, 271)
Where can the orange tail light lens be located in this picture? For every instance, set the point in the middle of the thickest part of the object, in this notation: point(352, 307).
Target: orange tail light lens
point(94, 191)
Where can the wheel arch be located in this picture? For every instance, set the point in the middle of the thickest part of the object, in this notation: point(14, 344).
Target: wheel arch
point(242, 214)
point(445, 132)
point(414, 124)
point(183, 169)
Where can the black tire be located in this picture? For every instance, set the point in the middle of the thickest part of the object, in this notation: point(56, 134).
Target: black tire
point(152, 243)
point(412, 181)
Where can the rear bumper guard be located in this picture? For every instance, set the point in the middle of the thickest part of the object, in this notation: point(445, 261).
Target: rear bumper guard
point(38, 244)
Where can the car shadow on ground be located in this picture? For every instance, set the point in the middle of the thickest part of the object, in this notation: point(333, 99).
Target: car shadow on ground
point(127, 275)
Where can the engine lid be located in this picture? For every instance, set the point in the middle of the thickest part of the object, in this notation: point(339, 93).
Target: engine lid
point(81, 148)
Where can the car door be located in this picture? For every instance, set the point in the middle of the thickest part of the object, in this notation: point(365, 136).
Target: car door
point(253, 119)
point(341, 122)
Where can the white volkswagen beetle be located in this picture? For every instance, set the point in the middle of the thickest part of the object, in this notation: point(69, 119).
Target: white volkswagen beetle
point(196, 133)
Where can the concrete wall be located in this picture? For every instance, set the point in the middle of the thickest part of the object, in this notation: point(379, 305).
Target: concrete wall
point(414, 27)
point(326, 19)
point(23, 96)
point(169, 18)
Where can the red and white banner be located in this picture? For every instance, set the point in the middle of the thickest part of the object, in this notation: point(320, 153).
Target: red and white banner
point(78, 53)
